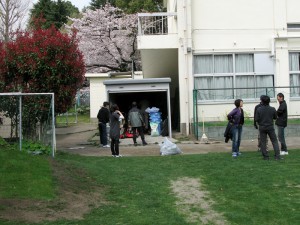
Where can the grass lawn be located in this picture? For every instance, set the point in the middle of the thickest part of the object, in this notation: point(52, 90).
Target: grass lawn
point(164, 190)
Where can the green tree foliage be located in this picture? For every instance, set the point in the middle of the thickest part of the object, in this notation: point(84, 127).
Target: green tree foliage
point(54, 12)
point(134, 6)
point(72, 10)
point(97, 4)
point(42, 61)
point(130, 6)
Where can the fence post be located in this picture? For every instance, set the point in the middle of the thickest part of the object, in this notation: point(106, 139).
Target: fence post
point(20, 122)
point(195, 113)
point(53, 128)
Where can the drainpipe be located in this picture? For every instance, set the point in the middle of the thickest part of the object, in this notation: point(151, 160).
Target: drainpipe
point(186, 69)
point(187, 52)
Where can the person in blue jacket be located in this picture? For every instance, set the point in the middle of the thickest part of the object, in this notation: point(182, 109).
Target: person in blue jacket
point(236, 117)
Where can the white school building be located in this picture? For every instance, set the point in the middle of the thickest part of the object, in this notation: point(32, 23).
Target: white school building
point(207, 53)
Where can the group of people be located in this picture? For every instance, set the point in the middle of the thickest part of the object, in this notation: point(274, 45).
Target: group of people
point(264, 117)
point(114, 117)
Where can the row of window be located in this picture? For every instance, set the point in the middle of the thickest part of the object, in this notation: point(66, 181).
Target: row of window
point(230, 76)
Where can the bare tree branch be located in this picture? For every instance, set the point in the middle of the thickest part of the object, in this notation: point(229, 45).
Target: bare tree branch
point(12, 15)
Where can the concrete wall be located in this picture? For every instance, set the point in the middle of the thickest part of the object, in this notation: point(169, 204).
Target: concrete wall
point(232, 25)
point(218, 112)
point(97, 92)
point(249, 132)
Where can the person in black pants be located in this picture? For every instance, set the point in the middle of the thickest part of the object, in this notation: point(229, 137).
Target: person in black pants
point(265, 116)
point(103, 119)
point(136, 122)
point(256, 125)
point(115, 117)
point(281, 122)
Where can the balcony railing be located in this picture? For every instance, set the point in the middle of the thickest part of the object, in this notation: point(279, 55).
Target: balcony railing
point(155, 23)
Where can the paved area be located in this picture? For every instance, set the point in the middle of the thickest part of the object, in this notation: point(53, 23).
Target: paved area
point(82, 139)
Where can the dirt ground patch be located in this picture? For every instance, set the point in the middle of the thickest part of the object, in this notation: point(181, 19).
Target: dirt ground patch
point(77, 194)
point(191, 195)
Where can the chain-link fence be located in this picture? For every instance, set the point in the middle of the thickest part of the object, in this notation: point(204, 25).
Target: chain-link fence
point(210, 109)
point(28, 118)
point(81, 106)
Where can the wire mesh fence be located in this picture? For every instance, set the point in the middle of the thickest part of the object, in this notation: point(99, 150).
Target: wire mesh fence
point(28, 118)
point(81, 106)
point(210, 109)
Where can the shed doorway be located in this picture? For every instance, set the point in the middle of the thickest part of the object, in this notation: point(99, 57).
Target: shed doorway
point(146, 92)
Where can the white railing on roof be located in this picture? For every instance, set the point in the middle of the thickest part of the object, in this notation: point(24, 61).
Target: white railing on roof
point(155, 23)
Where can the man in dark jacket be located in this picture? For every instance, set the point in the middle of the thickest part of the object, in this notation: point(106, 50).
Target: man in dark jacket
point(264, 117)
point(136, 122)
point(256, 125)
point(103, 119)
point(281, 122)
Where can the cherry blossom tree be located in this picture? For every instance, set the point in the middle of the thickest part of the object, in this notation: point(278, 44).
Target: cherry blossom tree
point(107, 39)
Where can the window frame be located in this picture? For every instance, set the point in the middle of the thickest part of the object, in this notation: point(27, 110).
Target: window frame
point(294, 72)
point(234, 75)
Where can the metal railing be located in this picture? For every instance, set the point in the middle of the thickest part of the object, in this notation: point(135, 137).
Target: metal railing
point(209, 94)
point(155, 23)
point(204, 96)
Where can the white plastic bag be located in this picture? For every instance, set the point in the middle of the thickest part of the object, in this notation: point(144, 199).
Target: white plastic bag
point(169, 148)
point(155, 129)
point(153, 109)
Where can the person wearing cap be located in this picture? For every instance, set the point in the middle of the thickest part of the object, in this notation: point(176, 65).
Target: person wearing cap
point(265, 116)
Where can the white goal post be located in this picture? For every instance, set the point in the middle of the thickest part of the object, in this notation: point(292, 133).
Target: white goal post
point(20, 95)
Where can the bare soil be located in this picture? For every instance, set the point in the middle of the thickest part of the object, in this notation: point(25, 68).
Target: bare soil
point(72, 202)
point(191, 195)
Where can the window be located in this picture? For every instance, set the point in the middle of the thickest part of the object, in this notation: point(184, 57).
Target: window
point(293, 26)
point(230, 76)
point(294, 65)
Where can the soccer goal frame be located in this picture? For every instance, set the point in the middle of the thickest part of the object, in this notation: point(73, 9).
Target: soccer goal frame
point(20, 95)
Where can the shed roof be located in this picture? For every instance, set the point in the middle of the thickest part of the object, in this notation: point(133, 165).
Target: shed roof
point(137, 81)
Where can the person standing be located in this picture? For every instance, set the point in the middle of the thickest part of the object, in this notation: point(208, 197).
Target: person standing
point(103, 119)
point(236, 116)
point(115, 117)
point(135, 120)
point(265, 116)
point(256, 125)
point(281, 122)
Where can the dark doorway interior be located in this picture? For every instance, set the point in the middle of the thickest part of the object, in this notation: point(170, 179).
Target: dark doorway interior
point(144, 100)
